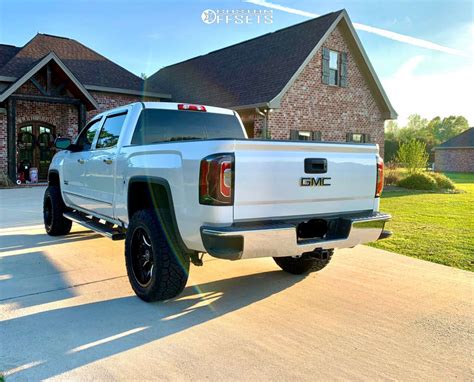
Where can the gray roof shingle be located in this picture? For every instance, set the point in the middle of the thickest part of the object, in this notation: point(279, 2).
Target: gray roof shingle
point(89, 67)
point(6, 53)
point(247, 73)
point(465, 139)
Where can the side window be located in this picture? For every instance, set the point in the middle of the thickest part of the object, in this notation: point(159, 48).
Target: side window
point(301, 135)
point(357, 137)
point(110, 132)
point(87, 135)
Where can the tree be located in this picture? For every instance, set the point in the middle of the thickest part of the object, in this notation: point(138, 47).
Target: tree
point(431, 133)
point(415, 129)
point(447, 128)
point(416, 123)
point(392, 132)
point(144, 76)
point(413, 156)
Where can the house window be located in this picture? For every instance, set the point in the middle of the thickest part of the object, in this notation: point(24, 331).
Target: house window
point(305, 135)
point(357, 137)
point(333, 67)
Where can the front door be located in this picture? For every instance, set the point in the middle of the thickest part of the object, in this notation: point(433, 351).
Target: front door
point(35, 148)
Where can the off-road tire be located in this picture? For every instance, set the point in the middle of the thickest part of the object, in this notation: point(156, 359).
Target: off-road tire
point(53, 208)
point(302, 265)
point(170, 268)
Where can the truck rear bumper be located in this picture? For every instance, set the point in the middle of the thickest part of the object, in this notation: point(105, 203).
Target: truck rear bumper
point(280, 239)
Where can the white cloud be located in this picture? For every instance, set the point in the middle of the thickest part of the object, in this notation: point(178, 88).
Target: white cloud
point(430, 94)
point(367, 28)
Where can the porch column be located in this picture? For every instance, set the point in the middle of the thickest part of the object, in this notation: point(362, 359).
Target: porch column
point(11, 140)
point(81, 120)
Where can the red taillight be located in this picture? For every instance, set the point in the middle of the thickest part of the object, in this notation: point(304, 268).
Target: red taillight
point(187, 106)
point(216, 180)
point(379, 185)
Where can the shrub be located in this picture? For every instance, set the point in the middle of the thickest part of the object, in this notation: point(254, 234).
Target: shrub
point(418, 181)
point(443, 181)
point(413, 156)
point(5, 180)
point(391, 174)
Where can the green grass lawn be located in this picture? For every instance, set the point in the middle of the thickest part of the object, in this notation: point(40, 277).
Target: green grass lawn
point(438, 227)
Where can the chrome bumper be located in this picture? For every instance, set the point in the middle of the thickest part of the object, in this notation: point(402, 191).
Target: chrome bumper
point(280, 239)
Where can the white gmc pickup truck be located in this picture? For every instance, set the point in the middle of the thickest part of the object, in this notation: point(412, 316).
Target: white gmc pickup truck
point(178, 180)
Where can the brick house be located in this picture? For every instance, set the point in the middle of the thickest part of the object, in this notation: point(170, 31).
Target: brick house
point(50, 87)
point(456, 154)
point(310, 81)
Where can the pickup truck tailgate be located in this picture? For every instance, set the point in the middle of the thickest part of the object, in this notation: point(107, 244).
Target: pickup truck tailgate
point(271, 180)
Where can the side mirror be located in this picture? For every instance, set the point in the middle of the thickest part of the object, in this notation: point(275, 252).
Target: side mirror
point(62, 143)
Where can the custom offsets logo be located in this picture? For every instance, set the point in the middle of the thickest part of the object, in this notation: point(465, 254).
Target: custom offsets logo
point(237, 16)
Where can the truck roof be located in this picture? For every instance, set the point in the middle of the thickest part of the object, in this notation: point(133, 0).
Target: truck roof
point(169, 106)
point(174, 106)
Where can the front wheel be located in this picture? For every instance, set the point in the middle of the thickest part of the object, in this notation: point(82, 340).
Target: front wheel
point(307, 263)
point(156, 269)
point(53, 208)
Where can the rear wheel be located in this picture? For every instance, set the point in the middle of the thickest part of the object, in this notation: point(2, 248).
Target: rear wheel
point(306, 263)
point(156, 268)
point(53, 208)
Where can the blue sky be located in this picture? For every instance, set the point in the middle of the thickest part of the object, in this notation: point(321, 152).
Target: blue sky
point(145, 35)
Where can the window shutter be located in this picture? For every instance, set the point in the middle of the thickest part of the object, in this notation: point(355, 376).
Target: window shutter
point(343, 69)
point(315, 135)
point(294, 135)
point(348, 137)
point(366, 138)
point(325, 66)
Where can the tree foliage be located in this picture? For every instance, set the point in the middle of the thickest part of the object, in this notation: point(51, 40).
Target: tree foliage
point(413, 156)
point(432, 133)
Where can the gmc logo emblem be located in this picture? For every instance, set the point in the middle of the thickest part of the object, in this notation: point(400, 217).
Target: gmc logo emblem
point(315, 182)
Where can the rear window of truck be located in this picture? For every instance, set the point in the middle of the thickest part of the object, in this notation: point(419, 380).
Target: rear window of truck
point(159, 125)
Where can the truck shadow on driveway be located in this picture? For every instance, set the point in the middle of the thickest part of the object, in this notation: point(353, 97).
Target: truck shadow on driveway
point(46, 344)
point(31, 274)
point(19, 242)
point(23, 272)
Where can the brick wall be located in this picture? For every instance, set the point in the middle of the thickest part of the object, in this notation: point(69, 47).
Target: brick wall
point(63, 117)
point(456, 160)
point(311, 105)
point(108, 101)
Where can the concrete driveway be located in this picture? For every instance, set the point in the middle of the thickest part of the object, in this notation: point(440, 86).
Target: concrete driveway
point(67, 312)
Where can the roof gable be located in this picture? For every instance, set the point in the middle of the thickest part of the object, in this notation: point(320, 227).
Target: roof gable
point(249, 73)
point(51, 57)
point(463, 140)
point(89, 67)
point(258, 72)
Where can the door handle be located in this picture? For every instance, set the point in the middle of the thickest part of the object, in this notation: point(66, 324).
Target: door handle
point(107, 161)
point(315, 166)
point(81, 161)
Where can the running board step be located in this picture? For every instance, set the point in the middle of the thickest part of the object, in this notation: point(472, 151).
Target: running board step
point(95, 226)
